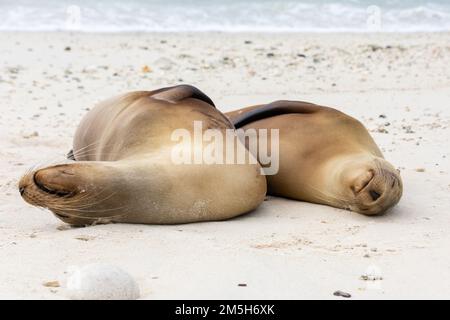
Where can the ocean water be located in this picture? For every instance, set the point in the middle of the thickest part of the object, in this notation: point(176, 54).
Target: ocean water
point(225, 15)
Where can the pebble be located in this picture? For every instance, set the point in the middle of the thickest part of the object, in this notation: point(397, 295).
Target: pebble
point(370, 277)
point(31, 135)
point(51, 284)
point(342, 294)
point(101, 282)
point(146, 69)
point(84, 238)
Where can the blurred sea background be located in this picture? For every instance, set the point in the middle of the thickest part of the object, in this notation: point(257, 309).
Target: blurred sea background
point(225, 15)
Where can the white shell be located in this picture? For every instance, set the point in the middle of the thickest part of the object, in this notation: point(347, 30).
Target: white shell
point(101, 282)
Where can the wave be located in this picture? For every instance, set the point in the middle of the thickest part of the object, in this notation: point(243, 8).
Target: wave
point(227, 16)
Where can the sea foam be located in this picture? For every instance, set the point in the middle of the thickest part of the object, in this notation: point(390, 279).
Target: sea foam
point(227, 16)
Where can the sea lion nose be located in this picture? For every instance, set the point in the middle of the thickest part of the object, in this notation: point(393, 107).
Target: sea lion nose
point(374, 195)
point(22, 190)
point(379, 193)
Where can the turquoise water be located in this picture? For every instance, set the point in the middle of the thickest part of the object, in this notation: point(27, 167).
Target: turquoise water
point(225, 15)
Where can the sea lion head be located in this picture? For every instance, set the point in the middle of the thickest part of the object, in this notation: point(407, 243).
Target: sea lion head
point(369, 185)
point(77, 193)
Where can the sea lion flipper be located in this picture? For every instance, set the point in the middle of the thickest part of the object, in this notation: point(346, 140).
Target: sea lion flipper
point(178, 93)
point(275, 108)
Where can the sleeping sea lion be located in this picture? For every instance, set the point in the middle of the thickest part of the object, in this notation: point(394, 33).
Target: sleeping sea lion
point(326, 157)
point(123, 169)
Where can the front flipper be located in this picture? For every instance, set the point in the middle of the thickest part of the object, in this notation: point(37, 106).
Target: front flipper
point(80, 193)
point(148, 191)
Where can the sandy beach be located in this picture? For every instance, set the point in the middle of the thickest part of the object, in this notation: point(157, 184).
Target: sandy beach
point(398, 85)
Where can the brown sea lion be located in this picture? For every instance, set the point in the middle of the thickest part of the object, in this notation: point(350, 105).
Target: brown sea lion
point(326, 157)
point(124, 170)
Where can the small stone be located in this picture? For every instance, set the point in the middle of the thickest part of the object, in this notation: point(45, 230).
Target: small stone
point(101, 282)
point(31, 135)
point(51, 284)
point(67, 48)
point(420, 169)
point(383, 116)
point(84, 238)
point(342, 294)
point(89, 69)
point(146, 69)
point(370, 277)
point(242, 285)
point(13, 70)
point(408, 129)
point(375, 48)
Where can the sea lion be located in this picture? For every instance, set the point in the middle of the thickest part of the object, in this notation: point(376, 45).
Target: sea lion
point(326, 157)
point(123, 169)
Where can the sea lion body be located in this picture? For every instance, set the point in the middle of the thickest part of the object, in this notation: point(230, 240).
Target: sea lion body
point(326, 157)
point(124, 170)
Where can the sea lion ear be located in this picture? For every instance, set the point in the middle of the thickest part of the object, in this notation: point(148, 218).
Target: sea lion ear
point(178, 93)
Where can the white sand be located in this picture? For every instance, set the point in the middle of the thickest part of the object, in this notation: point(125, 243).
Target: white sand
point(285, 249)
